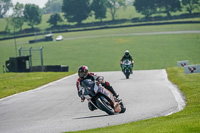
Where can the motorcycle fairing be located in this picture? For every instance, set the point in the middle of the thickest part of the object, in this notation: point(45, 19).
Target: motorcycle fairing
point(126, 64)
point(90, 90)
point(101, 90)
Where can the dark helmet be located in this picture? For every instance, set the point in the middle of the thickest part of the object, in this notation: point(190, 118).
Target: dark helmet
point(126, 53)
point(83, 71)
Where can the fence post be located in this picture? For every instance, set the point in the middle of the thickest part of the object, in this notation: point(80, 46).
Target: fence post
point(30, 59)
point(41, 50)
point(20, 51)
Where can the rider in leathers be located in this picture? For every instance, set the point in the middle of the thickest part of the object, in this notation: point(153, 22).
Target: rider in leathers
point(83, 74)
point(127, 56)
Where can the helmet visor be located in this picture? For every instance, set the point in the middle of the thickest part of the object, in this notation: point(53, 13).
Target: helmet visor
point(82, 74)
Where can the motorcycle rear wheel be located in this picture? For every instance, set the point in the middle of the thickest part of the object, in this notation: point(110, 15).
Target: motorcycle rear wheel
point(104, 106)
point(123, 109)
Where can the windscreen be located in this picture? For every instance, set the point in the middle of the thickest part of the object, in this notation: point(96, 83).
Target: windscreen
point(88, 83)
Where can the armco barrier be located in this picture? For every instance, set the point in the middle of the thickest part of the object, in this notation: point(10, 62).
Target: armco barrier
point(50, 68)
point(191, 69)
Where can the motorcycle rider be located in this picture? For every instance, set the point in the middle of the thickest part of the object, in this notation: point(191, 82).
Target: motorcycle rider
point(129, 57)
point(84, 74)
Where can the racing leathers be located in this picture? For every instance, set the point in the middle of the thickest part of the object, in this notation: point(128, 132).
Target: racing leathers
point(93, 77)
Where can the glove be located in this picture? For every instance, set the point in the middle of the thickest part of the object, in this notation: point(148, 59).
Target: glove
point(82, 98)
point(80, 93)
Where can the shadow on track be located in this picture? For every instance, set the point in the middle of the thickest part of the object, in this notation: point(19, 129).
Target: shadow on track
point(87, 117)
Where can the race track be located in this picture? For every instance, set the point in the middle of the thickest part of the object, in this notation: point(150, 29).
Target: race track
point(56, 108)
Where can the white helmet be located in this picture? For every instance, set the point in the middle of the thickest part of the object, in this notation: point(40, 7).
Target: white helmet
point(126, 53)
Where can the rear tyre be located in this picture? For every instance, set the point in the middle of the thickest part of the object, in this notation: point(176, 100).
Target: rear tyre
point(123, 109)
point(105, 106)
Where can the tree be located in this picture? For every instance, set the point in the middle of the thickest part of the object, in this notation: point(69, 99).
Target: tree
point(114, 5)
point(148, 7)
point(7, 29)
point(191, 5)
point(17, 16)
point(32, 15)
point(99, 8)
point(76, 10)
point(5, 5)
point(52, 6)
point(54, 19)
point(145, 7)
point(168, 6)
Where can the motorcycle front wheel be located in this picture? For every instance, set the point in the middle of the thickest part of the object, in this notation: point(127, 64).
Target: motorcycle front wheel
point(127, 73)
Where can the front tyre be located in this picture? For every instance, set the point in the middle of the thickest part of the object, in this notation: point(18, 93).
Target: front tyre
point(127, 73)
point(127, 76)
point(103, 105)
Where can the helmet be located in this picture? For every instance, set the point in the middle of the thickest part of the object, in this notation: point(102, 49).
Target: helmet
point(83, 71)
point(126, 53)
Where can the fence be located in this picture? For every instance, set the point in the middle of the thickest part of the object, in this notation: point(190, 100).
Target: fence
point(36, 56)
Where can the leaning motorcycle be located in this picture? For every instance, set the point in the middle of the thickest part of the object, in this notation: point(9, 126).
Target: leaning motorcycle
point(101, 98)
point(127, 68)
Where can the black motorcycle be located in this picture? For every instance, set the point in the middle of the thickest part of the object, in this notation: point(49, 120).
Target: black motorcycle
point(127, 68)
point(101, 98)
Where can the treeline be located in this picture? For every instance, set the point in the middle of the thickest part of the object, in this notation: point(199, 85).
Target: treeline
point(79, 10)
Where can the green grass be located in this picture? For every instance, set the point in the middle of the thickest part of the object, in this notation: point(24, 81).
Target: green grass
point(186, 121)
point(12, 83)
point(149, 51)
point(104, 53)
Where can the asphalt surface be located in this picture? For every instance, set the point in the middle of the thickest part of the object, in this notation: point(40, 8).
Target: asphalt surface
point(56, 108)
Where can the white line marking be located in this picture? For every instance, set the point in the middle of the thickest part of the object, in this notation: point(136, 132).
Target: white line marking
point(177, 94)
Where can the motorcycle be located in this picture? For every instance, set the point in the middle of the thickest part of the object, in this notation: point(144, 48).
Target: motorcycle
point(101, 98)
point(127, 68)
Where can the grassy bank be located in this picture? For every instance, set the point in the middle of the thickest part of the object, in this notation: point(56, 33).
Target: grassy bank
point(186, 121)
point(12, 83)
point(149, 51)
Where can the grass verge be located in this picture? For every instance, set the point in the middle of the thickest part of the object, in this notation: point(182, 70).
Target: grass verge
point(108, 46)
point(12, 83)
point(186, 121)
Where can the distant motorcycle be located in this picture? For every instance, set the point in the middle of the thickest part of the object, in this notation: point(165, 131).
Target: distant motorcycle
point(101, 98)
point(127, 68)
